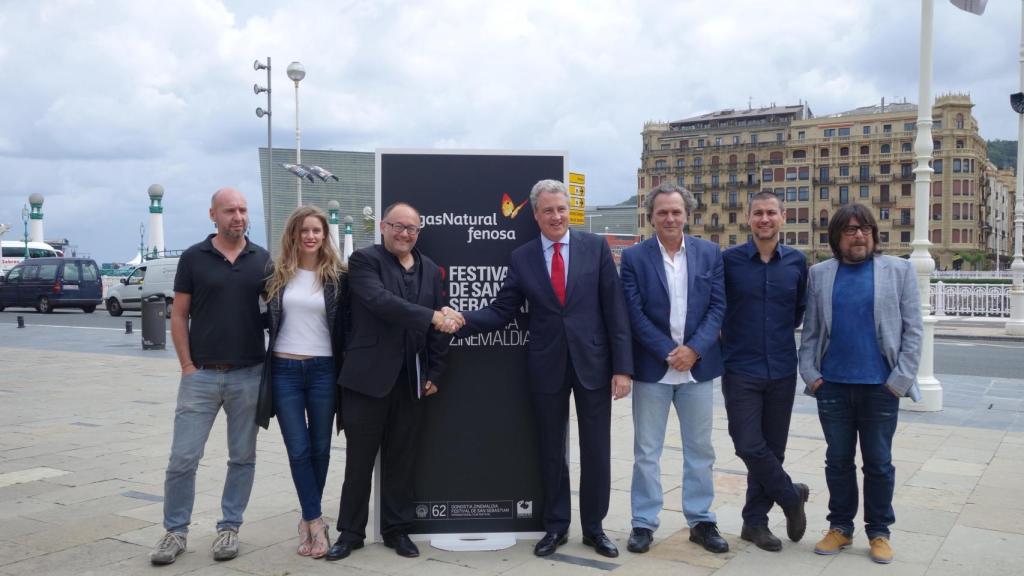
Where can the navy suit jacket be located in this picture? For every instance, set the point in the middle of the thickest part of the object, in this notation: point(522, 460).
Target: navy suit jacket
point(647, 299)
point(591, 330)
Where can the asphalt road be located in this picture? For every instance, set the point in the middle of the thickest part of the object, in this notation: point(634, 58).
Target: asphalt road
point(1002, 359)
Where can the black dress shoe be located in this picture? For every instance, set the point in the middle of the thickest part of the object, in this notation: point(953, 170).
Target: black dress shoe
point(762, 537)
point(706, 534)
point(342, 548)
point(549, 543)
point(402, 544)
point(601, 544)
point(640, 540)
point(796, 517)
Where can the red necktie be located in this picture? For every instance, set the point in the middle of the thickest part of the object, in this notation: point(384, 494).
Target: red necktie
point(558, 273)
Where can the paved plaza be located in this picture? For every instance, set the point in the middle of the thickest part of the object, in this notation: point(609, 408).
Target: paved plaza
point(84, 439)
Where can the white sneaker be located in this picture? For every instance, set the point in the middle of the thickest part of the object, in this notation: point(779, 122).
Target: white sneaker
point(168, 548)
point(225, 547)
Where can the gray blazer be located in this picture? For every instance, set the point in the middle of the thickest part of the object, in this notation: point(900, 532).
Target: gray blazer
point(898, 325)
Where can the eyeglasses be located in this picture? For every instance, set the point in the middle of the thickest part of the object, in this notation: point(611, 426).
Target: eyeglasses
point(852, 230)
point(411, 229)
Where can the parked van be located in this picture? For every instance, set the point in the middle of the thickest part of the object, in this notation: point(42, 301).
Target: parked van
point(13, 252)
point(150, 277)
point(48, 283)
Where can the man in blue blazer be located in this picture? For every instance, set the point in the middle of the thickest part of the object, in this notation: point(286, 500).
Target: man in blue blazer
point(675, 294)
point(579, 344)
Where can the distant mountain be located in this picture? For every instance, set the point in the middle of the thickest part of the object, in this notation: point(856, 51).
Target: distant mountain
point(631, 201)
point(1003, 153)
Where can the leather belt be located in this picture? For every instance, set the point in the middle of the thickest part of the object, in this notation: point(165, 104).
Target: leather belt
point(218, 367)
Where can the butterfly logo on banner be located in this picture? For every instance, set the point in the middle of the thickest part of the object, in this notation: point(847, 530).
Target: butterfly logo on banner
point(508, 208)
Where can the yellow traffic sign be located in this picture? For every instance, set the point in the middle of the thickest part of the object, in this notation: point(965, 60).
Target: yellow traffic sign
point(576, 218)
point(577, 178)
point(577, 190)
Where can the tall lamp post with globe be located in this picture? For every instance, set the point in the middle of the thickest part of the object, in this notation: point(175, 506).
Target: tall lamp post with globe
point(296, 72)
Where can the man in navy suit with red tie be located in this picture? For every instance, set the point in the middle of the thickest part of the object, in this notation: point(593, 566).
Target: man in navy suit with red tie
point(579, 344)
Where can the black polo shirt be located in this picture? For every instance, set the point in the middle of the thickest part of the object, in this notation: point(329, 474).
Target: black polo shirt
point(225, 322)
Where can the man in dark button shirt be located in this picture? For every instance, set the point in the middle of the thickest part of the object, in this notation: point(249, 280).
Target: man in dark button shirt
point(393, 359)
point(765, 285)
point(217, 287)
point(859, 354)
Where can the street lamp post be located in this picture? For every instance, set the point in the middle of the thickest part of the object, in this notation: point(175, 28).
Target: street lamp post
point(260, 113)
point(931, 388)
point(24, 221)
point(1015, 325)
point(296, 72)
point(142, 243)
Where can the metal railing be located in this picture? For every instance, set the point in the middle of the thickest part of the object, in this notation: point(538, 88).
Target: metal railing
point(984, 300)
point(972, 274)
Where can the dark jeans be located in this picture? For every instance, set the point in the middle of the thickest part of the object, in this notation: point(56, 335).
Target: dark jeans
point(759, 414)
point(304, 389)
point(867, 411)
point(389, 424)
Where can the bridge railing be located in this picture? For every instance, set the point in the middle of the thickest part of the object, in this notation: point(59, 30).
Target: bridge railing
point(979, 300)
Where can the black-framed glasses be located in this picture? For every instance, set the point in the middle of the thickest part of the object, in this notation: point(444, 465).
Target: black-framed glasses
point(852, 230)
point(411, 229)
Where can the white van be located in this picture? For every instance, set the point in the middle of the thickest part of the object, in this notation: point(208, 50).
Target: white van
point(150, 277)
point(13, 252)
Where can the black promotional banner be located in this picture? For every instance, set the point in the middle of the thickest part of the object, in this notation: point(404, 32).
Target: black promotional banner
point(478, 469)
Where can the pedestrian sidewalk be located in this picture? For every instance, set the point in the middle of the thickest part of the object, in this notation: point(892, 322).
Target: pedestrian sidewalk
point(84, 439)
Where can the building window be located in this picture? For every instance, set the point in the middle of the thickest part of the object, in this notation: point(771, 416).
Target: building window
point(753, 138)
point(936, 144)
point(799, 154)
point(905, 216)
point(937, 211)
point(714, 198)
point(844, 169)
point(714, 180)
point(804, 173)
point(885, 168)
point(823, 173)
point(937, 236)
point(905, 189)
point(907, 170)
point(823, 239)
point(829, 132)
point(956, 165)
point(801, 238)
point(732, 239)
point(844, 151)
point(956, 236)
point(802, 215)
point(803, 193)
point(960, 121)
point(959, 143)
point(937, 166)
point(732, 217)
point(883, 213)
point(680, 179)
point(844, 131)
point(732, 177)
point(823, 193)
point(778, 136)
point(697, 179)
point(885, 149)
point(823, 218)
point(714, 238)
point(660, 165)
point(800, 135)
point(908, 126)
point(790, 194)
point(844, 194)
point(791, 174)
point(906, 147)
point(864, 193)
point(766, 174)
point(700, 142)
point(865, 150)
point(697, 161)
point(886, 128)
point(735, 139)
point(718, 140)
point(867, 130)
point(883, 237)
point(790, 215)
point(905, 236)
point(864, 171)
point(937, 188)
point(697, 219)
point(824, 153)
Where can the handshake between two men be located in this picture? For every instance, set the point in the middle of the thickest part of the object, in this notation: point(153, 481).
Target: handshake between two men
point(447, 320)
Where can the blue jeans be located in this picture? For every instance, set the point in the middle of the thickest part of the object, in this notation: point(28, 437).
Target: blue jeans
point(200, 397)
point(694, 408)
point(867, 411)
point(305, 389)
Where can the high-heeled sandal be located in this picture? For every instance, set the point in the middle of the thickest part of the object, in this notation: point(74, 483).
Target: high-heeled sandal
point(305, 539)
point(321, 538)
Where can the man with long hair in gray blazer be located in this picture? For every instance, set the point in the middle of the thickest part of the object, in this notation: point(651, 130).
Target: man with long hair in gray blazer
point(859, 353)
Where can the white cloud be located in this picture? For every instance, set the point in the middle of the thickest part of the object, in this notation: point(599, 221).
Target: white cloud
point(105, 98)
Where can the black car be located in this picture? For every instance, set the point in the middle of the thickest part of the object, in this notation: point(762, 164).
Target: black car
point(48, 283)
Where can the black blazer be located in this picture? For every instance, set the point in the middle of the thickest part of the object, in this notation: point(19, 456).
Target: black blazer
point(338, 323)
point(385, 326)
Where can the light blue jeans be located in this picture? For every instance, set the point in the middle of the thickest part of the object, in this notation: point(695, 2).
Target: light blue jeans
point(694, 407)
point(200, 398)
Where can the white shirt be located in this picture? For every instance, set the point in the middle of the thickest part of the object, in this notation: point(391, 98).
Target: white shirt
point(676, 275)
point(549, 253)
point(304, 329)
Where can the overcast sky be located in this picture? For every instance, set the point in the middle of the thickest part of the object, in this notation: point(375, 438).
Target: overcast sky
point(101, 99)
